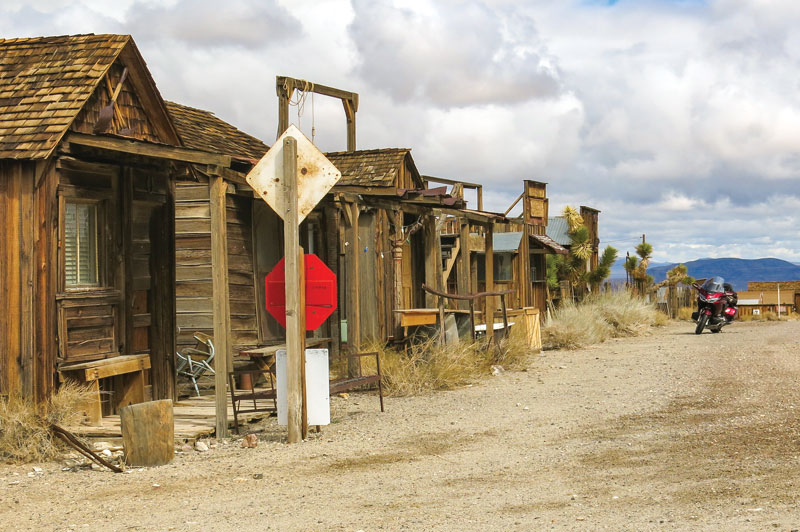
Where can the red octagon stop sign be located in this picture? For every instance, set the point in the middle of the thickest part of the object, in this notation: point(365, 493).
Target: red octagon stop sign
point(320, 292)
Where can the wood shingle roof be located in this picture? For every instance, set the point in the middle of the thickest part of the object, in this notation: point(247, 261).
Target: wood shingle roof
point(380, 167)
point(202, 130)
point(44, 83)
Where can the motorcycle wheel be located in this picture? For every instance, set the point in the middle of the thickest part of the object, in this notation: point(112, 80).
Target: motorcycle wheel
point(701, 324)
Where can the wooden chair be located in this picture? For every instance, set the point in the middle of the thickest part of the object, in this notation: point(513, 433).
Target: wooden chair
point(341, 385)
point(260, 398)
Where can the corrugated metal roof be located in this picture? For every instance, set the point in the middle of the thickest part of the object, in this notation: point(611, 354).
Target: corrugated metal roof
point(550, 243)
point(506, 242)
point(558, 230)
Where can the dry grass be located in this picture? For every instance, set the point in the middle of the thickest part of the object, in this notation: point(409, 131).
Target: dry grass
point(429, 366)
point(24, 429)
point(598, 318)
point(685, 313)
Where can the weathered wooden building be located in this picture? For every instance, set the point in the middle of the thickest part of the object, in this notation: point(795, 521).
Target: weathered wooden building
point(355, 230)
point(87, 260)
point(517, 249)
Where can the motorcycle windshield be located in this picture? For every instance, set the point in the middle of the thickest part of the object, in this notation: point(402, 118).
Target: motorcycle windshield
point(715, 284)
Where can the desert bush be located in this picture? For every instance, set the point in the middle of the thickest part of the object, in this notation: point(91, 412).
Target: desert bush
point(25, 434)
point(685, 313)
point(598, 318)
point(429, 366)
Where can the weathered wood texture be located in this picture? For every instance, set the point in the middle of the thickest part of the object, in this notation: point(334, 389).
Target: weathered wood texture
point(390, 167)
point(148, 433)
point(194, 289)
point(220, 306)
point(65, 84)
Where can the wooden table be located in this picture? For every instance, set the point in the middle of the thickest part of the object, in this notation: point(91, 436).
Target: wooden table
point(263, 357)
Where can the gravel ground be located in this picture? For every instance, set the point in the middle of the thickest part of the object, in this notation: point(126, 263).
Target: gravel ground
point(669, 431)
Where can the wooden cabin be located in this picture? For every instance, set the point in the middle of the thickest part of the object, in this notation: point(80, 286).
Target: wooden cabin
point(514, 251)
point(87, 261)
point(353, 230)
point(249, 258)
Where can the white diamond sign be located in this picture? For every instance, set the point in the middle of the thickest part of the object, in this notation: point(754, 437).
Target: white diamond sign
point(315, 175)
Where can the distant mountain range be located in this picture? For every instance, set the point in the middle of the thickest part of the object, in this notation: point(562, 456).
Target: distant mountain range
point(735, 271)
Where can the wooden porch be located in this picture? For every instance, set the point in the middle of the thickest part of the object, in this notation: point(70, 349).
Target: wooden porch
point(194, 419)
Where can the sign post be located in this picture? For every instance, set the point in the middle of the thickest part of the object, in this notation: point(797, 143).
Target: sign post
point(292, 178)
point(295, 296)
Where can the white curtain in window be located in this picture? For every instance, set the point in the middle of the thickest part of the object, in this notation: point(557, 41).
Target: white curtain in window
point(80, 244)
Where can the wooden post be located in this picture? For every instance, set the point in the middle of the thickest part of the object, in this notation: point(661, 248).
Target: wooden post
point(442, 339)
point(283, 109)
point(433, 259)
point(490, 303)
point(472, 318)
point(350, 116)
point(295, 295)
point(463, 263)
point(332, 261)
point(352, 254)
point(220, 299)
point(397, 258)
point(148, 433)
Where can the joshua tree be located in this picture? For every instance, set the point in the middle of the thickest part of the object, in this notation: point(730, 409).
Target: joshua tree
point(678, 274)
point(574, 266)
point(637, 267)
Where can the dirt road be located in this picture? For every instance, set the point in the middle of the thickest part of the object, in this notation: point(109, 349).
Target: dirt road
point(666, 432)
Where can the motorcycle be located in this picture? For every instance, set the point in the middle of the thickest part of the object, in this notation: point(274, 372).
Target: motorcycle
point(716, 305)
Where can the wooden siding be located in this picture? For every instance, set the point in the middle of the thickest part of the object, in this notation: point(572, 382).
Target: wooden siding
point(129, 117)
point(194, 292)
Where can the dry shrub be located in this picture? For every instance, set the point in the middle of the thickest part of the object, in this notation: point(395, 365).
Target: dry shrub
point(24, 428)
point(685, 313)
point(429, 366)
point(598, 318)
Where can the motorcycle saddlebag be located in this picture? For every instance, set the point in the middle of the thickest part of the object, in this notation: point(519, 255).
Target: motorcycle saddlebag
point(695, 315)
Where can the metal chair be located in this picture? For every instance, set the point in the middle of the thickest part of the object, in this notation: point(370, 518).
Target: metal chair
point(193, 362)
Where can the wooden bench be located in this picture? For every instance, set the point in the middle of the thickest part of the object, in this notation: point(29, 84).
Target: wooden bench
point(132, 384)
point(342, 385)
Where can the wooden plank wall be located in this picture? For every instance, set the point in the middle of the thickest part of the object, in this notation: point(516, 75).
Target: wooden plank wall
point(369, 296)
point(26, 279)
point(193, 272)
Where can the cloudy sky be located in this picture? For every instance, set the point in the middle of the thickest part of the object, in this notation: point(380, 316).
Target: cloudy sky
point(676, 118)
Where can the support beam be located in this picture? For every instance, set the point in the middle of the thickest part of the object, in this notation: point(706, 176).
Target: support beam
point(464, 285)
point(221, 299)
point(491, 305)
point(352, 252)
point(433, 259)
point(397, 262)
point(285, 87)
point(147, 149)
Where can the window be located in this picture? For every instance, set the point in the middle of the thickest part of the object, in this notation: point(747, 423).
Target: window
point(503, 267)
point(80, 244)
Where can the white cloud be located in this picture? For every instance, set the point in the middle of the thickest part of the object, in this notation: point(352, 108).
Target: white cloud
point(678, 120)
